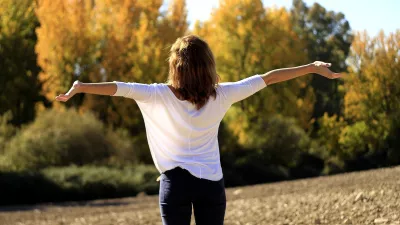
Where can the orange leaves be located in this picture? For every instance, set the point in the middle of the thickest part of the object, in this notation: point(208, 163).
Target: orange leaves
point(63, 40)
point(105, 40)
point(248, 39)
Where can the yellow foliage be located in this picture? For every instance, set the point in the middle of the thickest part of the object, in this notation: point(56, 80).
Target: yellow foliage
point(372, 85)
point(106, 40)
point(248, 39)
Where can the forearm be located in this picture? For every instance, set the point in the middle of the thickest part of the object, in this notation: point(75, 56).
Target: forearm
point(104, 88)
point(284, 74)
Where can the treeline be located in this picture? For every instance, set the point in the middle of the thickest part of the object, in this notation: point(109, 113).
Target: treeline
point(96, 146)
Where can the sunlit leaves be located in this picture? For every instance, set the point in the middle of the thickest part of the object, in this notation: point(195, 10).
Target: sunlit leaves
point(106, 40)
point(249, 39)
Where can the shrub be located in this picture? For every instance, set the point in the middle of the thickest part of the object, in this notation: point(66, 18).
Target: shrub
point(7, 130)
point(76, 183)
point(63, 138)
point(268, 148)
point(277, 140)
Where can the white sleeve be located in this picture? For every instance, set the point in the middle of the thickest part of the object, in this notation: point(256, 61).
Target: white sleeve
point(239, 90)
point(137, 91)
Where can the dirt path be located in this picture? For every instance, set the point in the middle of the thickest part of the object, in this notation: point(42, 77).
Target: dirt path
point(370, 197)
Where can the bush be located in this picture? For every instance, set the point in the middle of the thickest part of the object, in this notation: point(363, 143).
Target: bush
point(28, 188)
point(76, 183)
point(7, 130)
point(357, 146)
point(276, 140)
point(268, 149)
point(308, 165)
point(63, 138)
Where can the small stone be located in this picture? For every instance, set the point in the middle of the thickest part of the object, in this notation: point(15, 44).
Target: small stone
point(359, 196)
point(317, 221)
point(347, 221)
point(380, 220)
point(238, 191)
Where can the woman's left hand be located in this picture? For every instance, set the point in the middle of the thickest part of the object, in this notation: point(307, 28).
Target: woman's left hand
point(322, 69)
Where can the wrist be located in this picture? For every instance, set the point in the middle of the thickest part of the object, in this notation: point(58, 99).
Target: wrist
point(311, 68)
point(80, 87)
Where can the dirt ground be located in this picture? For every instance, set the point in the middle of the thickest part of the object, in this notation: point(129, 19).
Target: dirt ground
point(369, 197)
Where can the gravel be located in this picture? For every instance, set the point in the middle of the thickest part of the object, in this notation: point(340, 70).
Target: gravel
point(368, 197)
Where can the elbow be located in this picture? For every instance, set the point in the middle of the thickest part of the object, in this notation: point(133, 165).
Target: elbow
point(269, 79)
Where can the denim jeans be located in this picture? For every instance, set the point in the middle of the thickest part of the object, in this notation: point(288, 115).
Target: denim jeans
point(179, 190)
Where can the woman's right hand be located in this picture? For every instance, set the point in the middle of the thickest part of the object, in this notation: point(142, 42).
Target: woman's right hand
point(76, 88)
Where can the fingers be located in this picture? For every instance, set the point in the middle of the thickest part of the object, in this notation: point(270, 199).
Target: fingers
point(327, 64)
point(336, 75)
point(62, 98)
point(322, 64)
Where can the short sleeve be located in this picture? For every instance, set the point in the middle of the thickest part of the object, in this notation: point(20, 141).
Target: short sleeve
point(137, 91)
point(239, 90)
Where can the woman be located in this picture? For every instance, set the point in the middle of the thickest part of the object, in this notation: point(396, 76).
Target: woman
point(182, 118)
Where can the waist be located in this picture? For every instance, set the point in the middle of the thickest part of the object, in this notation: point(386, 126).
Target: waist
point(184, 173)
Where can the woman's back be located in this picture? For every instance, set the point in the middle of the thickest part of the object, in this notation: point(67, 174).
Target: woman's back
point(182, 132)
point(178, 133)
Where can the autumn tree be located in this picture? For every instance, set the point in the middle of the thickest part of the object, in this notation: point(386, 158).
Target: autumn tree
point(367, 134)
point(19, 84)
point(247, 39)
point(104, 40)
point(65, 47)
point(107, 40)
point(373, 92)
point(328, 37)
point(175, 23)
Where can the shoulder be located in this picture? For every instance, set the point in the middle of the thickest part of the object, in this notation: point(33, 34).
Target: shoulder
point(159, 86)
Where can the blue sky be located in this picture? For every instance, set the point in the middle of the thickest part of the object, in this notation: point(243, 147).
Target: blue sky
point(370, 15)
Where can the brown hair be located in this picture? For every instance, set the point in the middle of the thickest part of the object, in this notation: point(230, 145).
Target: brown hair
point(192, 70)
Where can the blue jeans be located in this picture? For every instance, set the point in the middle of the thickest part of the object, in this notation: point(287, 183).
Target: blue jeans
point(179, 190)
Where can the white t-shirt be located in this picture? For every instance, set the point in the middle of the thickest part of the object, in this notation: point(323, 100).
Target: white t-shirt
point(180, 135)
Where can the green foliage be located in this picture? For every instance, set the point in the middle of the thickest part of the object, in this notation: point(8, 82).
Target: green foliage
point(103, 181)
point(7, 130)
point(276, 139)
point(102, 40)
point(58, 138)
point(328, 135)
point(355, 138)
point(328, 38)
point(19, 83)
point(333, 165)
point(76, 183)
point(241, 34)
point(266, 149)
point(28, 188)
point(371, 104)
point(257, 144)
point(344, 145)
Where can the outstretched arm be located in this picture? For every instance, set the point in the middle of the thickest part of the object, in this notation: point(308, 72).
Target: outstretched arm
point(318, 67)
point(105, 88)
